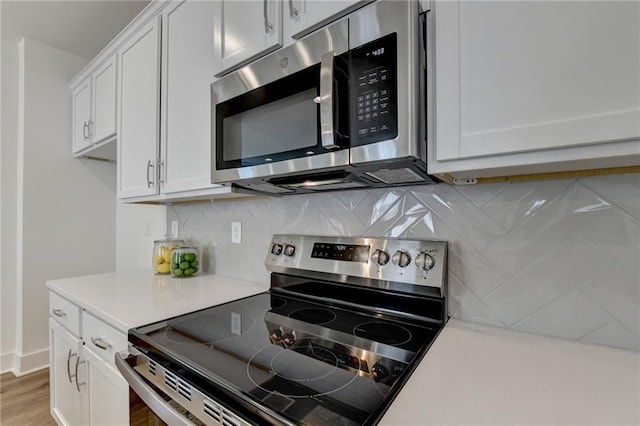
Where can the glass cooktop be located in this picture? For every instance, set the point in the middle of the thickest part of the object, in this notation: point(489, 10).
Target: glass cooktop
point(310, 362)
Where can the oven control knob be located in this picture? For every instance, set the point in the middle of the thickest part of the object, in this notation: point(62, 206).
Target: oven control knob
point(289, 250)
point(276, 249)
point(424, 261)
point(401, 259)
point(380, 257)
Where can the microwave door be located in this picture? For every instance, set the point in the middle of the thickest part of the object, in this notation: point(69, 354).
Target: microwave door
point(294, 121)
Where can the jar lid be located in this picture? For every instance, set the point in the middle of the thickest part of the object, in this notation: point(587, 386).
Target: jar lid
point(169, 240)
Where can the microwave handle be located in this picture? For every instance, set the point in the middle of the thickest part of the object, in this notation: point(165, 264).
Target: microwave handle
point(325, 100)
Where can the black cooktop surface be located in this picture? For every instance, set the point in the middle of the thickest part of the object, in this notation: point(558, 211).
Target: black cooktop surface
point(311, 362)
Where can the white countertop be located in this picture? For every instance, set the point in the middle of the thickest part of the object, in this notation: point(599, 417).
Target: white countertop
point(476, 374)
point(472, 374)
point(134, 298)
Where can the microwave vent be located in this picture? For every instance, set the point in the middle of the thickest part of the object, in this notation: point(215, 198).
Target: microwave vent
point(396, 176)
point(348, 184)
point(267, 187)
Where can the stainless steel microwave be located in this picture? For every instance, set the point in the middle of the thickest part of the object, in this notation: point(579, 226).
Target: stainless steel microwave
point(342, 108)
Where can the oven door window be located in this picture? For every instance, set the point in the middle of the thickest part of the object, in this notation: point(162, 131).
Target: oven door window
point(276, 122)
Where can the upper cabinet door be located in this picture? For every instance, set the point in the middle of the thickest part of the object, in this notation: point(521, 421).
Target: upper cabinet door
point(301, 17)
point(104, 101)
point(530, 76)
point(81, 126)
point(245, 30)
point(138, 140)
point(188, 68)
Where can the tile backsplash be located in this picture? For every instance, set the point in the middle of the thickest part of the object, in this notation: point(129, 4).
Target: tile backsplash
point(558, 258)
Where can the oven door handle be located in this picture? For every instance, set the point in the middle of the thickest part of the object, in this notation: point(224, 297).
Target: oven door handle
point(325, 100)
point(157, 404)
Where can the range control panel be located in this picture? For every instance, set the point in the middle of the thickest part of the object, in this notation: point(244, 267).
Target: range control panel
point(419, 262)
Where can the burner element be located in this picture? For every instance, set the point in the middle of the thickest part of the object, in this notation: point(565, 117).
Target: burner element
point(316, 316)
point(383, 332)
point(299, 372)
point(264, 301)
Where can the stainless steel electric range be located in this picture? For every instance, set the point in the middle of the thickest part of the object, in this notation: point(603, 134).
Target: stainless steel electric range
point(341, 329)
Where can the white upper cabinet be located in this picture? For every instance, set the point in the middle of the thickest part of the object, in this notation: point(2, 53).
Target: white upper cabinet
point(139, 133)
point(248, 29)
point(81, 99)
point(533, 86)
point(94, 110)
point(301, 17)
point(245, 30)
point(104, 101)
point(188, 68)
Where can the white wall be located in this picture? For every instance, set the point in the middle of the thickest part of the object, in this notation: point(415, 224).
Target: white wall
point(65, 207)
point(8, 188)
point(138, 225)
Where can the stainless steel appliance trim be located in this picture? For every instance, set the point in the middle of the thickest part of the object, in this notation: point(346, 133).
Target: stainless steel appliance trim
point(388, 276)
point(158, 405)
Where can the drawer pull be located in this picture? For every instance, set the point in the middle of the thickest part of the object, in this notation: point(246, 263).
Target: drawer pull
point(99, 342)
point(59, 313)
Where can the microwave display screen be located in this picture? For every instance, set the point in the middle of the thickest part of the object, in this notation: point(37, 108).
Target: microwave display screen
point(344, 252)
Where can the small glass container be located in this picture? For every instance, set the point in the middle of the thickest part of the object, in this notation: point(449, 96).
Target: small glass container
point(185, 262)
point(161, 259)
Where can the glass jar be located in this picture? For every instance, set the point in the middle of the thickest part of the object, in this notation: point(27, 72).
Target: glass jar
point(161, 258)
point(185, 262)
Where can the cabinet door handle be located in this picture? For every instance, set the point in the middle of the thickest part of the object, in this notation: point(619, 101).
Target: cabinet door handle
point(267, 25)
point(59, 313)
point(69, 355)
point(85, 131)
point(76, 375)
point(149, 167)
point(326, 101)
point(99, 342)
point(90, 126)
point(293, 12)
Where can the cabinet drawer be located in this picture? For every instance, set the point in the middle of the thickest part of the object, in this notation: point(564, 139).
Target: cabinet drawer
point(102, 339)
point(65, 312)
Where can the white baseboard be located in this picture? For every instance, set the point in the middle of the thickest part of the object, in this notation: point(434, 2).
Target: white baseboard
point(6, 363)
point(29, 363)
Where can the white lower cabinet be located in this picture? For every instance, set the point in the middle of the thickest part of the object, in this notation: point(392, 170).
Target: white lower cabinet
point(85, 387)
point(67, 376)
point(108, 393)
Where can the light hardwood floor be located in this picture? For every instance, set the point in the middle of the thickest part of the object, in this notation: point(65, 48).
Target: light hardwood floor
point(25, 400)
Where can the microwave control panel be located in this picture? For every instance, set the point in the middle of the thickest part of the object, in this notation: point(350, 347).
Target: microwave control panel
point(373, 76)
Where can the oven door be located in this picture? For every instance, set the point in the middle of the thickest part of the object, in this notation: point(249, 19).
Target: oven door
point(286, 113)
point(146, 406)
